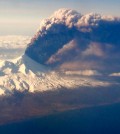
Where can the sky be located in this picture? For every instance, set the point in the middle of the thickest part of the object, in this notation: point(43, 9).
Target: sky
point(22, 17)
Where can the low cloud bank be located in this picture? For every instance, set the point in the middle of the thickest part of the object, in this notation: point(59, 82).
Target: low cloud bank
point(115, 74)
point(83, 72)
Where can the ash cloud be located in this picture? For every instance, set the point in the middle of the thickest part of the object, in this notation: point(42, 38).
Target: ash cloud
point(68, 38)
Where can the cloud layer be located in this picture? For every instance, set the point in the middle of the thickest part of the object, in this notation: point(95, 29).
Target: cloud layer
point(12, 46)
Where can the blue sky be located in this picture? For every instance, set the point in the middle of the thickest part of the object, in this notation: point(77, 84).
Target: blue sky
point(22, 17)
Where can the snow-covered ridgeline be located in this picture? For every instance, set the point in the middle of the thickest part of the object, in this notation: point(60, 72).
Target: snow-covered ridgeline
point(25, 74)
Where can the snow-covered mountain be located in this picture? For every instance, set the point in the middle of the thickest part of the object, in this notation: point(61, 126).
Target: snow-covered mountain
point(24, 74)
point(70, 40)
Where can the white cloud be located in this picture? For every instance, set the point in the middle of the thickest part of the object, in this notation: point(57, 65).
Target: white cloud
point(9, 42)
point(115, 74)
point(80, 65)
point(12, 46)
point(83, 72)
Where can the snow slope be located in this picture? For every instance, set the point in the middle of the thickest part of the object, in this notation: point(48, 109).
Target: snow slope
point(24, 74)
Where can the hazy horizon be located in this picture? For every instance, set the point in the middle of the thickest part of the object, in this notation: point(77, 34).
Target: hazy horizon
point(23, 17)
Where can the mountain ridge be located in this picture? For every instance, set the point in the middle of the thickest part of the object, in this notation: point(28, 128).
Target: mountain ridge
point(25, 75)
